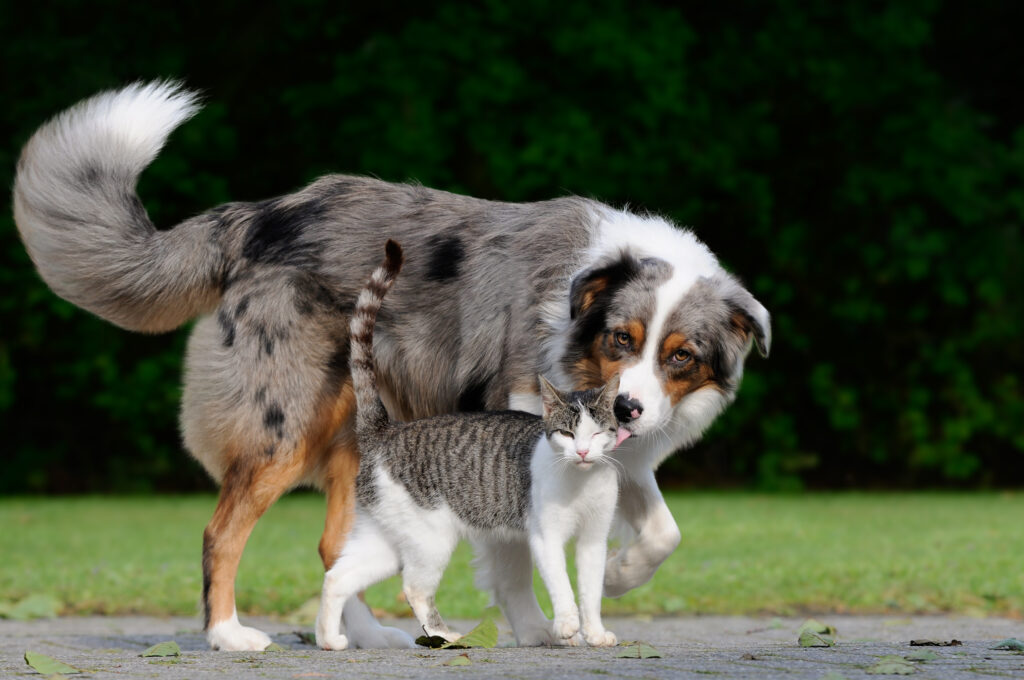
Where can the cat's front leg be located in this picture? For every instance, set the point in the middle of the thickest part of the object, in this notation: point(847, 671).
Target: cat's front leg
point(591, 551)
point(549, 552)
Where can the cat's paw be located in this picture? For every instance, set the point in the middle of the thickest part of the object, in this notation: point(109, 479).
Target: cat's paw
point(566, 625)
point(600, 638)
point(574, 641)
point(332, 641)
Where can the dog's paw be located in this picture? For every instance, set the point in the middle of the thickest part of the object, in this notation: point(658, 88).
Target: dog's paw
point(600, 638)
point(380, 637)
point(231, 636)
point(566, 625)
point(620, 577)
point(535, 637)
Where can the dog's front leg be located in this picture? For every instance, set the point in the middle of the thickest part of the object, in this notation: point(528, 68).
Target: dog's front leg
point(643, 508)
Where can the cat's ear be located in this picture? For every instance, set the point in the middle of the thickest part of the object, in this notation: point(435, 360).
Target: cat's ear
point(550, 395)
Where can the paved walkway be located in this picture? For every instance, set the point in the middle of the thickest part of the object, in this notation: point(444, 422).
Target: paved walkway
point(722, 647)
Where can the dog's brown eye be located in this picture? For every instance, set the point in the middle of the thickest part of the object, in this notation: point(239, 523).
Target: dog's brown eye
point(681, 356)
point(622, 338)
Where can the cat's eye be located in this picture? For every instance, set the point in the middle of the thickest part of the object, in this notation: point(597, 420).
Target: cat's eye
point(681, 356)
point(565, 433)
point(622, 338)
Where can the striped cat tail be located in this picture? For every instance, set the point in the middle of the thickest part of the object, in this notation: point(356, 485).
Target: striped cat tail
point(371, 414)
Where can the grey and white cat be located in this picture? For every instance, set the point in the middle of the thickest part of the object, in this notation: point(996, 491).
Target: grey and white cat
point(524, 481)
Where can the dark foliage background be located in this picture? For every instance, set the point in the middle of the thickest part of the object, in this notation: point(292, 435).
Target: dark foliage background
point(858, 164)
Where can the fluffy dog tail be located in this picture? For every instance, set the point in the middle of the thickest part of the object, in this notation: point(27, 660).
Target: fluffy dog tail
point(85, 228)
point(371, 414)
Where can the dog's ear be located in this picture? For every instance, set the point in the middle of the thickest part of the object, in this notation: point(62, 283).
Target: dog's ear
point(751, 319)
point(600, 282)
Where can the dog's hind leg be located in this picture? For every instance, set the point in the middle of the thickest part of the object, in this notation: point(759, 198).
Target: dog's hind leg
point(248, 489)
point(340, 466)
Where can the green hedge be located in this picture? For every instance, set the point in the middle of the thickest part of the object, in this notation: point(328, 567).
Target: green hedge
point(858, 164)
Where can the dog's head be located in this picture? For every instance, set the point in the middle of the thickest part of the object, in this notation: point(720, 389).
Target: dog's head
point(677, 340)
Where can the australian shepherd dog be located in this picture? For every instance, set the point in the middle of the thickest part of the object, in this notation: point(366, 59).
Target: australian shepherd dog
point(492, 295)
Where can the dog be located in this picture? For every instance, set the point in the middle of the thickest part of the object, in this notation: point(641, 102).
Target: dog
point(492, 295)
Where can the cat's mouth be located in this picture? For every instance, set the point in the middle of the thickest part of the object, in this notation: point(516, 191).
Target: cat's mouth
point(621, 435)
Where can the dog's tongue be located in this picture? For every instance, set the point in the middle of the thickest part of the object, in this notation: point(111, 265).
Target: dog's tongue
point(621, 436)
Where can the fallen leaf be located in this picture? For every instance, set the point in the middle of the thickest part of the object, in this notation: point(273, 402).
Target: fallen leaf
point(1012, 644)
point(170, 648)
point(485, 634)
point(749, 657)
point(35, 606)
point(431, 641)
point(922, 655)
point(47, 665)
point(648, 652)
point(815, 626)
point(892, 665)
point(639, 650)
point(811, 639)
point(935, 643)
point(274, 647)
point(460, 660)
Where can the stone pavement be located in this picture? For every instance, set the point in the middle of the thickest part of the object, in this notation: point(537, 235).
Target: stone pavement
point(697, 647)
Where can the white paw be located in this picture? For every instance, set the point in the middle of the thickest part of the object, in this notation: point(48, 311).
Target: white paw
point(535, 637)
point(574, 641)
point(332, 641)
point(620, 578)
point(379, 637)
point(231, 636)
point(566, 625)
point(601, 638)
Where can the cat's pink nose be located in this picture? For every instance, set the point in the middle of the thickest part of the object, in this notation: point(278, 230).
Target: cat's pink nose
point(583, 454)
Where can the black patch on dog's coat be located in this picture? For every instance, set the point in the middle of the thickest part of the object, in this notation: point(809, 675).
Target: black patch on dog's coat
point(266, 340)
point(273, 419)
point(275, 233)
point(312, 293)
point(227, 327)
point(243, 306)
point(474, 396)
point(590, 322)
point(446, 255)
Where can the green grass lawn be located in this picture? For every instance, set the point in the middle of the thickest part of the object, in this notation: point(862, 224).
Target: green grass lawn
point(741, 553)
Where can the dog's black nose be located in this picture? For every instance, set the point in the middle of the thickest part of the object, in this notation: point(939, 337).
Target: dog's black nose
point(627, 409)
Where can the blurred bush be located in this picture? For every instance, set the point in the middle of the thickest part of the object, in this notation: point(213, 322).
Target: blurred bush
point(858, 164)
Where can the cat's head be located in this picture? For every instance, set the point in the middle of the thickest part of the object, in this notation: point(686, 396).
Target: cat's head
point(581, 426)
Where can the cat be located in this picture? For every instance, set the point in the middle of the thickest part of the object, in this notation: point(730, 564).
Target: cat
point(526, 481)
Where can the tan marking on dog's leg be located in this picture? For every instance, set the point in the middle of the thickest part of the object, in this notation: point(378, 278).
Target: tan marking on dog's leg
point(340, 470)
point(249, 488)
